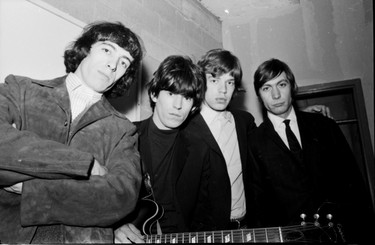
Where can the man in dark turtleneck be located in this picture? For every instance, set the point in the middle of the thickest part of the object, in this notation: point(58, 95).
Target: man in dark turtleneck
point(168, 158)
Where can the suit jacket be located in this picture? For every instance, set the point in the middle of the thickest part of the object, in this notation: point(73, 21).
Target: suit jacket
point(215, 202)
point(327, 181)
point(189, 168)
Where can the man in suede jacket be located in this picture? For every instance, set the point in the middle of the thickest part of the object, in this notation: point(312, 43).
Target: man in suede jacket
point(69, 165)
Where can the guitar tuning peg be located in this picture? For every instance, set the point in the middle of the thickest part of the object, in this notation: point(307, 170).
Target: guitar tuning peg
point(303, 216)
point(316, 217)
point(329, 217)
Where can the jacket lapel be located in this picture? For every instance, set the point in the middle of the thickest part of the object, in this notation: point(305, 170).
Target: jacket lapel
point(309, 139)
point(273, 135)
point(144, 146)
point(180, 153)
point(59, 92)
point(241, 138)
point(201, 127)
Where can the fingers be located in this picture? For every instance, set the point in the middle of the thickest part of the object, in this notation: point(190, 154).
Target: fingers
point(128, 234)
point(324, 110)
point(328, 113)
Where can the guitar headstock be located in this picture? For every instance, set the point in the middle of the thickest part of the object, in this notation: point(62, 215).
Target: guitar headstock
point(318, 227)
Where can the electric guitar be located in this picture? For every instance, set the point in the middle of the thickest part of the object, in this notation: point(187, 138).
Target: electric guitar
point(307, 232)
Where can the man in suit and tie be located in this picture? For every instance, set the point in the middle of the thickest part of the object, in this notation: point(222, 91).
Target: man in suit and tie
point(303, 163)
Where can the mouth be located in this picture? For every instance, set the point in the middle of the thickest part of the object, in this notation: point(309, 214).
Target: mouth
point(104, 75)
point(221, 100)
point(175, 115)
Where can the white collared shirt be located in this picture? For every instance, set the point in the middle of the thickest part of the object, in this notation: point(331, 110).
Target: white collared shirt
point(80, 95)
point(279, 126)
point(223, 128)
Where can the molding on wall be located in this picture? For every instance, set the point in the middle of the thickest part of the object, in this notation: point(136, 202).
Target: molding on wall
point(58, 12)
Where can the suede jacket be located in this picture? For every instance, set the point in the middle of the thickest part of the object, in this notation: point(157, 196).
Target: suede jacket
point(53, 157)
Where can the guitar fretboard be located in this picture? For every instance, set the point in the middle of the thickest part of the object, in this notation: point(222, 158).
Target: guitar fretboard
point(228, 236)
point(309, 233)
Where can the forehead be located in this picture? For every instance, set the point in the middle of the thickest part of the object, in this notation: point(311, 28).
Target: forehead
point(275, 80)
point(114, 47)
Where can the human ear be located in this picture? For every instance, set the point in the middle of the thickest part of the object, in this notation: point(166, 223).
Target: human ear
point(154, 98)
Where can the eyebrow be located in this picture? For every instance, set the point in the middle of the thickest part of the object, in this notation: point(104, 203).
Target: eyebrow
point(112, 46)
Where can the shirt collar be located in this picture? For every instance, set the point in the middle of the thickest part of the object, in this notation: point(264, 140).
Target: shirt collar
point(209, 115)
point(75, 84)
point(278, 121)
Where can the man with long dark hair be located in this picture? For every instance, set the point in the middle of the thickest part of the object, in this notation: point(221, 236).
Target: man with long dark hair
point(175, 167)
point(69, 166)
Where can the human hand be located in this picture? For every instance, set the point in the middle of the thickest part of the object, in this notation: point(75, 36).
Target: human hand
point(128, 233)
point(16, 188)
point(322, 109)
point(98, 169)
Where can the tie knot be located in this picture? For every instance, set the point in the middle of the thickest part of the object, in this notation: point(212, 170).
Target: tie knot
point(287, 121)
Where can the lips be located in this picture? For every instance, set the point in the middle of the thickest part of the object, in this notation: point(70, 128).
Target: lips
point(221, 100)
point(278, 104)
point(105, 75)
point(175, 115)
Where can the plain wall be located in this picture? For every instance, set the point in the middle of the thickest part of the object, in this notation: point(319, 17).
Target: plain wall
point(322, 41)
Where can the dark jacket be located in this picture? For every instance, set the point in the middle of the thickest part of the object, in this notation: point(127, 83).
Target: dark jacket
point(215, 211)
point(327, 181)
point(189, 170)
point(40, 146)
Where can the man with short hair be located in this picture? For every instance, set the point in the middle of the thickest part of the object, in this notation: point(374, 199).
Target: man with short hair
point(303, 163)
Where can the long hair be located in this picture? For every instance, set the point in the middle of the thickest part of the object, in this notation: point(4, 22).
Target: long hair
point(106, 31)
point(218, 62)
point(179, 75)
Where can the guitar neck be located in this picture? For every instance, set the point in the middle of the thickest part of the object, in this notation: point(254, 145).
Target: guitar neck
point(225, 236)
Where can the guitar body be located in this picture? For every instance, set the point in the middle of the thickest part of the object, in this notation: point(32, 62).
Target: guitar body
point(148, 214)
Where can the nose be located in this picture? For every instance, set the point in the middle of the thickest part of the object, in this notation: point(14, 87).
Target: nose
point(275, 93)
point(177, 103)
point(223, 88)
point(112, 66)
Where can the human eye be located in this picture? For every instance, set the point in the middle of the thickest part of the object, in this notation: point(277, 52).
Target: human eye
point(187, 98)
point(265, 88)
point(106, 50)
point(283, 84)
point(213, 80)
point(230, 83)
point(124, 63)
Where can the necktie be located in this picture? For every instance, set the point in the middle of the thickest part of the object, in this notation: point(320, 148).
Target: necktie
point(294, 145)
